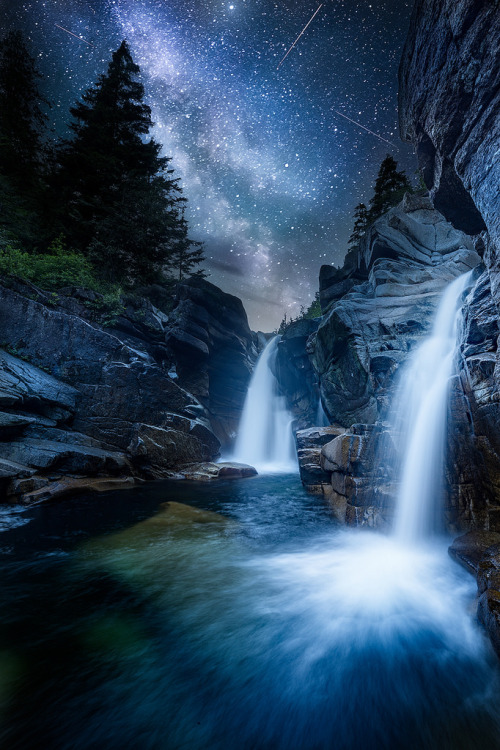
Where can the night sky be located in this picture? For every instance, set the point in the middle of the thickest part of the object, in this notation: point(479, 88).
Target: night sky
point(271, 172)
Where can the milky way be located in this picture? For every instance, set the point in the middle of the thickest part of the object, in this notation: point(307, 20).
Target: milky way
point(271, 172)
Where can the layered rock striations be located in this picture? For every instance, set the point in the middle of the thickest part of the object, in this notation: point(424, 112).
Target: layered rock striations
point(85, 399)
point(394, 283)
point(450, 110)
point(449, 105)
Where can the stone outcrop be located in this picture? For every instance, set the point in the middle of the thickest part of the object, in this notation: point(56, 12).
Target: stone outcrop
point(479, 552)
point(214, 351)
point(295, 374)
point(449, 105)
point(408, 256)
point(394, 282)
point(450, 110)
point(87, 395)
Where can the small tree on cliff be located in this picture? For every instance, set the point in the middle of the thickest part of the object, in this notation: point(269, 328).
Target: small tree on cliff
point(121, 202)
point(22, 123)
point(390, 186)
point(186, 255)
point(361, 220)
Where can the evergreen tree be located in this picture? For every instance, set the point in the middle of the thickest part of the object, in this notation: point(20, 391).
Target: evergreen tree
point(186, 254)
point(121, 203)
point(22, 122)
point(361, 220)
point(390, 187)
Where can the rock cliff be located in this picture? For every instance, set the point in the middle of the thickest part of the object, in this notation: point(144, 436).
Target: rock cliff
point(140, 394)
point(377, 309)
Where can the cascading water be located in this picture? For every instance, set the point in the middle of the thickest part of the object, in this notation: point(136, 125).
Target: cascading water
point(419, 419)
point(321, 418)
point(265, 437)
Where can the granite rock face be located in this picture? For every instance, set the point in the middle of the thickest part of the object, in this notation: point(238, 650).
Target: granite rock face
point(214, 352)
point(450, 110)
point(295, 374)
point(394, 282)
point(80, 398)
point(408, 256)
point(479, 552)
point(449, 105)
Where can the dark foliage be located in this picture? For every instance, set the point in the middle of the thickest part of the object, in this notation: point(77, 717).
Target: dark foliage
point(22, 124)
point(390, 187)
point(121, 202)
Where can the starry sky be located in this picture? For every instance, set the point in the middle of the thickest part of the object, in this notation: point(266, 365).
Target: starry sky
point(271, 171)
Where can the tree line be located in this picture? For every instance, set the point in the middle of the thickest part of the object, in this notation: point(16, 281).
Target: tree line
point(103, 197)
point(390, 187)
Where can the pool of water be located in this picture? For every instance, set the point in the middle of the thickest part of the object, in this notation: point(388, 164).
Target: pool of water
point(250, 622)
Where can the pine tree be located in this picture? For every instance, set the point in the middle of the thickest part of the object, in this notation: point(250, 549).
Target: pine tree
point(121, 202)
point(186, 254)
point(22, 122)
point(361, 220)
point(390, 187)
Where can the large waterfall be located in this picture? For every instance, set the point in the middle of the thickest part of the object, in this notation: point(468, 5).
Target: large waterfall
point(419, 419)
point(265, 438)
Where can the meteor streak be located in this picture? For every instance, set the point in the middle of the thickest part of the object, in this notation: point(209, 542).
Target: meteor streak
point(367, 129)
point(303, 30)
point(80, 38)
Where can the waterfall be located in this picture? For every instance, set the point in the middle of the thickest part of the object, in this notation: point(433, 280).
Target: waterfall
point(265, 438)
point(321, 418)
point(419, 419)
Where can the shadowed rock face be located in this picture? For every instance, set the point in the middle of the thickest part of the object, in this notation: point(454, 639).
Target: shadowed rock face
point(214, 352)
point(82, 399)
point(450, 110)
point(409, 255)
point(449, 105)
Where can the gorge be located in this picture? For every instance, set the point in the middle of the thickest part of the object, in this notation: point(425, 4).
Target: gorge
point(348, 596)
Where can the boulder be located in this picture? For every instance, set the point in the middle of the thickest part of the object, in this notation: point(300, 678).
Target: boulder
point(203, 472)
point(309, 444)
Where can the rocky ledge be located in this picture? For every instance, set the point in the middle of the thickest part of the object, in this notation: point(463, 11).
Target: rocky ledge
point(82, 396)
point(479, 552)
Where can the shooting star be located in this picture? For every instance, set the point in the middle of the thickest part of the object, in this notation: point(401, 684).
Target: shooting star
point(80, 38)
point(303, 30)
point(367, 129)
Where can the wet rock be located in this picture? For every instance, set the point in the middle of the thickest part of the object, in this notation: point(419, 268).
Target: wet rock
point(309, 445)
point(469, 549)
point(479, 552)
point(295, 374)
point(214, 351)
point(158, 450)
point(449, 104)
point(68, 487)
point(66, 457)
point(408, 255)
point(203, 472)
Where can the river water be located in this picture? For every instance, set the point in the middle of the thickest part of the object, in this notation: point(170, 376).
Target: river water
point(254, 622)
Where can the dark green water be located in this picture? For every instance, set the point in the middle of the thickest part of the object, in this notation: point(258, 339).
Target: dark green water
point(125, 625)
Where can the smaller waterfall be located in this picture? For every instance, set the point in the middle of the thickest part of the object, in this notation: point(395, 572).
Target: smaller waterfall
point(321, 418)
point(419, 419)
point(265, 438)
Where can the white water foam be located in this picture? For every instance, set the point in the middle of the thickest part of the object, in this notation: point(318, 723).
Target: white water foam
point(419, 419)
point(265, 438)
